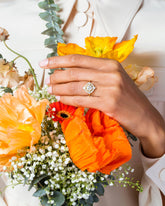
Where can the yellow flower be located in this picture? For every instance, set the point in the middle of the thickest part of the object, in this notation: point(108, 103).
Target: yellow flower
point(103, 47)
point(20, 123)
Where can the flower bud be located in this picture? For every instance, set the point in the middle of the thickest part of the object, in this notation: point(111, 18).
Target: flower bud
point(3, 34)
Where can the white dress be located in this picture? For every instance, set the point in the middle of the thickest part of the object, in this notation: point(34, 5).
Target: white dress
point(20, 18)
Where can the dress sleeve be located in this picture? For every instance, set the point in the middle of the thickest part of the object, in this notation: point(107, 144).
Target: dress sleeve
point(153, 181)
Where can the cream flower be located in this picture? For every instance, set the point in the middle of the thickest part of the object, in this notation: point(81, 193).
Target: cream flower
point(144, 77)
point(9, 76)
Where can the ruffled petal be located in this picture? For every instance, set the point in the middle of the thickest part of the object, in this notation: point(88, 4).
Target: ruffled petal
point(80, 143)
point(110, 140)
point(66, 49)
point(123, 49)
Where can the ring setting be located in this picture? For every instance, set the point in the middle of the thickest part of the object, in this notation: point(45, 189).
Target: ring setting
point(89, 88)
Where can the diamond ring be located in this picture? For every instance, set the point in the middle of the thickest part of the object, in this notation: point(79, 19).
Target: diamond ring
point(89, 88)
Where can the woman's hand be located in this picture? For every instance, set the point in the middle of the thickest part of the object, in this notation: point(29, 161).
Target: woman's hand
point(115, 94)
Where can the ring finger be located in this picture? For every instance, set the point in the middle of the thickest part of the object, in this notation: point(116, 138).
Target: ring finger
point(74, 89)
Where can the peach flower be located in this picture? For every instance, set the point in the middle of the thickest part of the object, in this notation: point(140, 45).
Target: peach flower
point(20, 123)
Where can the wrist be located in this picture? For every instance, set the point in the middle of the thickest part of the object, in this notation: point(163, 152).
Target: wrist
point(153, 140)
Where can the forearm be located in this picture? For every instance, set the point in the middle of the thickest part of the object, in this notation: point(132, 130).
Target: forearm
point(153, 141)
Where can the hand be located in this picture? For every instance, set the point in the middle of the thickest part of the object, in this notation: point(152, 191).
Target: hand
point(115, 94)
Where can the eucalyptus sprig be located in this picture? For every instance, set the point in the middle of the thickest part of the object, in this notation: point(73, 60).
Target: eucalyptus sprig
point(53, 31)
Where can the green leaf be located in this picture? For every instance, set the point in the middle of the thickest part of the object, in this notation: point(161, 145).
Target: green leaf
point(90, 200)
point(40, 193)
point(43, 5)
point(50, 41)
point(8, 90)
point(99, 189)
point(58, 198)
point(111, 177)
point(132, 137)
point(44, 201)
point(45, 16)
point(37, 180)
point(1, 57)
point(49, 32)
point(95, 198)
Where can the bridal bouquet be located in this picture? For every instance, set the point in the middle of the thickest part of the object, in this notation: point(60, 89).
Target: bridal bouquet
point(67, 154)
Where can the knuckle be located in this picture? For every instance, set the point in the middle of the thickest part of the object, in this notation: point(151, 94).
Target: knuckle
point(115, 65)
point(73, 74)
point(112, 108)
point(118, 79)
point(74, 58)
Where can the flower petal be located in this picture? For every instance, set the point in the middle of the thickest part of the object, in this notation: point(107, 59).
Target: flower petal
point(66, 49)
point(99, 46)
point(123, 49)
point(110, 140)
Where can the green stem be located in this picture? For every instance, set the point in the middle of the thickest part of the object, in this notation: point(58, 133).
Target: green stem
point(31, 68)
point(15, 58)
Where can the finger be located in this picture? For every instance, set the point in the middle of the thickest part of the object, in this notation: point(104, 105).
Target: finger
point(75, 89)
point(76, 74)
point(82, 101)
point(75, 60)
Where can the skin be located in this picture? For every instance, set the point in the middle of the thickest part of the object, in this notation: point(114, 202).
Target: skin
point(115, 94)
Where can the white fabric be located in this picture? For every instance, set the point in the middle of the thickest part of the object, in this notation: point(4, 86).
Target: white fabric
point(20, 18)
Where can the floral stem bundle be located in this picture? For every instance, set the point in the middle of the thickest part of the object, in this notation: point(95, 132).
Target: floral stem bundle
point(66, 154)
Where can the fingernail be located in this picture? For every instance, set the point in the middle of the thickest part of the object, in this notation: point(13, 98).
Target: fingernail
point(57, 98)
point(44, 63)
point(50, 90)
point(47, 80)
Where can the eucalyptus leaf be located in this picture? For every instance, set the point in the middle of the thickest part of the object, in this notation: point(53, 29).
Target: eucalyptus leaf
point(90, 200)
point(82, 202)
point(43, 5)
point(44, 201)
point(40, 193)
point(99, 189)
point(95, 198)
point(48, 6)
point(45, 16)
point(37, 180)
point(50, 41)
point(49, 32)
point(58, 198)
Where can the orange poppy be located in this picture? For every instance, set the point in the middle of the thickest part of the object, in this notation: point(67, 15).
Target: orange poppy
point(20, 123)
point(96, 142)
point(102, 47)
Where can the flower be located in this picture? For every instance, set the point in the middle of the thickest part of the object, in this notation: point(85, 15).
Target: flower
point(59, 111)
point(96, 142)
point(103, 47)
point(28, 81)
point(20, 123)
point(3, 34)
point(143, 76)
point(9, 76)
